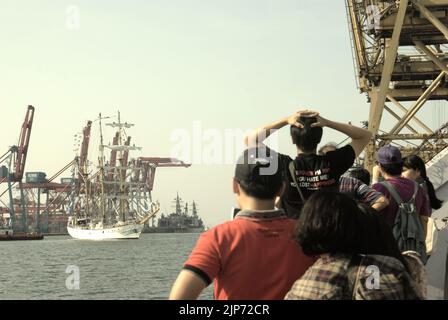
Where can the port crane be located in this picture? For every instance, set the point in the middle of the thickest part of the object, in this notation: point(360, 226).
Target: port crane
point(400, 53)
point(12, 168)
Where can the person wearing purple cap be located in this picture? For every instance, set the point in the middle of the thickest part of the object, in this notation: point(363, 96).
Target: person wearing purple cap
point(390, 167)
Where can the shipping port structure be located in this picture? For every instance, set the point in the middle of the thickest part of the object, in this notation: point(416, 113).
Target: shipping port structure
point(37, 206)
point(14, 214)
point(33, 205)
point(48, 202)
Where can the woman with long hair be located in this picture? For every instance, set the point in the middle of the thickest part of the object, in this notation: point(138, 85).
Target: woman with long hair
point(355, 250)
point(414, 169)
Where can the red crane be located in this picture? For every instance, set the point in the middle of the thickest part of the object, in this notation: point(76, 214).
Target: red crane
point(16, 158)
point(24, 142)
point(85, 145)
point(150, 164)
point(20, 152)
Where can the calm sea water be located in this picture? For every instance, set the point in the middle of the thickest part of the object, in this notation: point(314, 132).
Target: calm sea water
point(115, 269)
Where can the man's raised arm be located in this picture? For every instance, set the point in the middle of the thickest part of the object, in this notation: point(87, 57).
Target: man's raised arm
point(360, 137)
point(257, 137)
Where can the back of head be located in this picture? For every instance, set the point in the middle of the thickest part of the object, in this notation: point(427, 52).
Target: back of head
point(330, 146)
point(360, 174)
point(389, 158)
point(327, 224)
point(258, 175)
point(414, 162)
point(306, 138)
point(334, 223)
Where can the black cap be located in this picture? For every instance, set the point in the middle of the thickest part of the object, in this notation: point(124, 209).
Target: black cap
point(259, 165)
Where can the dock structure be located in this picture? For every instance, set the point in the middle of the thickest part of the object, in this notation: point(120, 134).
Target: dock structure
point(401, 56)
point(400, 51)
point(12, 169)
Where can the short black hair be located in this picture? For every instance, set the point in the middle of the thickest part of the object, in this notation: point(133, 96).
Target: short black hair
point(360, 174)
point(259, 190)
point(253, 174)
point(327, 223)
point(306, 138)
point(392, 169)
point(332, 222)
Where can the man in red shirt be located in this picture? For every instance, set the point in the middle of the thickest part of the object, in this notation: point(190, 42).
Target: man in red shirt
point(254, 256)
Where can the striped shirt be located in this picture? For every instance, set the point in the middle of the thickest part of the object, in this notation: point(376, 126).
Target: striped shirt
point(359, 190)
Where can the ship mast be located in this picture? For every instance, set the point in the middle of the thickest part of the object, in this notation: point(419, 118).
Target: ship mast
point(123, 147)
point(178, 205)
point(123, 163)
point(195, 210)
point(120, 158)
point(101, 176)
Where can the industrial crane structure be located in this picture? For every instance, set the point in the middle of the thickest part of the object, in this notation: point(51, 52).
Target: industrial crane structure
point(150, 164)
point(51, 214)
point(12, 168)
point(401, 56)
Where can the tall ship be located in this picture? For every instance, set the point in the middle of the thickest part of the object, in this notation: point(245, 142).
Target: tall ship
point(180, 221)
point(113, 200)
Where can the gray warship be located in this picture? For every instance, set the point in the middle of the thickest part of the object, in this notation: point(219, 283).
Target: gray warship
point(180, 221)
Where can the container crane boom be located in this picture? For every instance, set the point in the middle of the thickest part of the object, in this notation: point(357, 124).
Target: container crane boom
point(152, 163)
point(22, 148)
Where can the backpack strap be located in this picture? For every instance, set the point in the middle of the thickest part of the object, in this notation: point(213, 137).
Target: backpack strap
point(392, 192)
point(396, 195)
point(292, 170)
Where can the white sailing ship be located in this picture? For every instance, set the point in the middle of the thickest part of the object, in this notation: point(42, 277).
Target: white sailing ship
point(114, 201)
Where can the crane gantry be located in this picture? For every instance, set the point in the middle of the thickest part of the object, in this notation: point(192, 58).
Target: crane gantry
point(401, 55)
point(12, 168)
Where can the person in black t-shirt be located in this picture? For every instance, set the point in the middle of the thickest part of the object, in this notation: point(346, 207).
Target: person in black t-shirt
point(312, 172)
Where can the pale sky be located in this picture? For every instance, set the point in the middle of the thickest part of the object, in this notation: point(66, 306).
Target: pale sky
point(229, 64)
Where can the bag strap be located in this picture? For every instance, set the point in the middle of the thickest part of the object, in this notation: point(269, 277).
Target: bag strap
point(353, 273)
point(292, 170)
point(396, 195)
point(392, 192)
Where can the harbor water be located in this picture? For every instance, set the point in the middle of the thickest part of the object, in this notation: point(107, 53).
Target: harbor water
point(115, 269)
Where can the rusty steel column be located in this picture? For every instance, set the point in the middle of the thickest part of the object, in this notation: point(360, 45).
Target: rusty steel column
point(378, 94)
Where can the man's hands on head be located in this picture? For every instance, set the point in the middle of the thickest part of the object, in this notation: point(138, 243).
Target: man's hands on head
point(293, 119)
point(321, 122)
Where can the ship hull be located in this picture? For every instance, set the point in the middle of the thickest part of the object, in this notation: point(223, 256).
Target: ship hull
point(9, 235)
point(173, 230)
point(129, 231)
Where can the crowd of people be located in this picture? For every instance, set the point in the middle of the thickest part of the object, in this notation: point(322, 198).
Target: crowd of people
point(317, 227)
